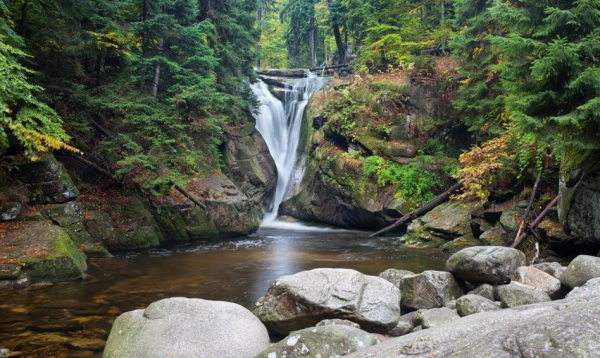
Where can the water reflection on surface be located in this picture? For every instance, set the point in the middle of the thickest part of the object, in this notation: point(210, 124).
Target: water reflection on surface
point(71, 319)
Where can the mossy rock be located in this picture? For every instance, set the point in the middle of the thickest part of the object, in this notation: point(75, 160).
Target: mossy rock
point(460, 243)
point(45, 252)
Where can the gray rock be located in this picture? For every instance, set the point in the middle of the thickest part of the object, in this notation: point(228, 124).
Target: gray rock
point(537, 279)
point(496, 236)
point(47, 179)
point(485, 264)
point(516, 294)
point(449, 220)
point(552, 268)
point(250, 165)
point(336, 321)
point(485, 290)
point(406, 324)
point(471, 304)
point(450, 304)
point(10, 211)
point(590, 289)
point(394, 276)
point(580, 270)
point(429, 289)
point(187, 327)
point(436, 317)
point(579, 211)
point(322, 341)
point(401, 329)
point(564, 328)
point(302, 300)
point(511, 219)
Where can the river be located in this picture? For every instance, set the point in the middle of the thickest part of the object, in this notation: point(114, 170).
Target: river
point(71, 319)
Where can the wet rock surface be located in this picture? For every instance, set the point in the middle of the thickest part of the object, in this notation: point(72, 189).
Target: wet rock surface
point(302, 300)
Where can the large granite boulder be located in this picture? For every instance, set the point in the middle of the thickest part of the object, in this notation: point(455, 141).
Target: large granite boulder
point(322, 341)
point(302, 300)
point(537, 279)
point(187, 327)
point(516, 294)
point(471, 304)
point(564, 328)
point(429, 289)
point(485, 264)
point(580, 270)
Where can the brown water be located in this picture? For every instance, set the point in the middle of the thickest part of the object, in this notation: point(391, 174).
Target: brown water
point(71, 319)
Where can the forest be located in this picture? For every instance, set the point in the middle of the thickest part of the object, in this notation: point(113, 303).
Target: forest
point(147, 90)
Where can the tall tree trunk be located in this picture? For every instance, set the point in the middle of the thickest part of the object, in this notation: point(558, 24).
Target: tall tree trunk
point(313, 43)
point(24, 18)
point(338, 36)
point(157, 69)
point(145, 9)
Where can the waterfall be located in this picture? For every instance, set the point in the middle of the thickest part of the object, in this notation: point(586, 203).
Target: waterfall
point(280, 126)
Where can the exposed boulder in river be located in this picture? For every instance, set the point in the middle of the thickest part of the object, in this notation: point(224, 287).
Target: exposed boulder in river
point(187, 327)
point(302, 300)
point(485, 264)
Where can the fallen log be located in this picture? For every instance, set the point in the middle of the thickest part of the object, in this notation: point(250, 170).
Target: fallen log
point(529, 204)
point(313, 69)
point(189, 196)
point(442, 198)
point(536, 222)
point(96, 167)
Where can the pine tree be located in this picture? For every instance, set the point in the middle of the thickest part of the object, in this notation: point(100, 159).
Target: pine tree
point(550, 71)
point(481, 97)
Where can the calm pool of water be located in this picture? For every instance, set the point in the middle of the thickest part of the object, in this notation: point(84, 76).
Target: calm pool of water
point(71, 319)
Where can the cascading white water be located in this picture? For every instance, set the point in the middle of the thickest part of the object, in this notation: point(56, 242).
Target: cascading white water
point(280, 126)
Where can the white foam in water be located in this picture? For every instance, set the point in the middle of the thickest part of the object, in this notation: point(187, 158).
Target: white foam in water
point(280, 127)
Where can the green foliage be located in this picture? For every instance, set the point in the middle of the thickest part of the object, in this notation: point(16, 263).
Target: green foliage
point(163, 78)
point(415, 180)
point(550, 69)
point(35, 125)
point(481, 97)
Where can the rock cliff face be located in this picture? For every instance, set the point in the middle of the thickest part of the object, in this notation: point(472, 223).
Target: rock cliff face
point(582, 212)
point(50, 227)
point(392, 122)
